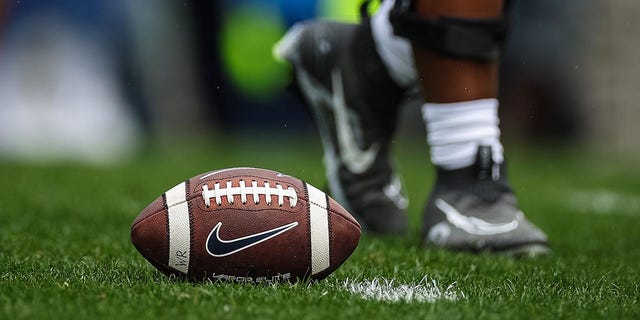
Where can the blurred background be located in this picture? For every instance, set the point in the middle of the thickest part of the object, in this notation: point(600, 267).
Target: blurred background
point(95, 81)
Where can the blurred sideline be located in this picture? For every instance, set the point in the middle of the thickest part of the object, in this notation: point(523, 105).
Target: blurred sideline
point(92, 80)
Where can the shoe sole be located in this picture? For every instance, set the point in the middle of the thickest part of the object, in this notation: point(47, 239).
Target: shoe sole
point(526, 251)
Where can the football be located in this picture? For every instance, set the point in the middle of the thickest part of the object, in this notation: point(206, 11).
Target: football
point(245, 225)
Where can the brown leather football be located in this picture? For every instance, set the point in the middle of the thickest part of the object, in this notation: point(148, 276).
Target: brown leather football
point(245, 224)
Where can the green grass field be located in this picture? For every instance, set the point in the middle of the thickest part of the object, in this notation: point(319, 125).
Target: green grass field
point(65, 251)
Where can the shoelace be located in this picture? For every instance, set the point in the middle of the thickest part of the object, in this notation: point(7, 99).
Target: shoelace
point(243, 190)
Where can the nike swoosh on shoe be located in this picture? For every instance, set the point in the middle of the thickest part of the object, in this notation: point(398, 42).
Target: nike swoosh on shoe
point(473, 225)
point(355, 159)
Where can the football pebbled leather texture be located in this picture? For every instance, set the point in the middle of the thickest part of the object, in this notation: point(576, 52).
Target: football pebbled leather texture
point(245, 225)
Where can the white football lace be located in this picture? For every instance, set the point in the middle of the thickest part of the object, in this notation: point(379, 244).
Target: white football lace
point(243, 190)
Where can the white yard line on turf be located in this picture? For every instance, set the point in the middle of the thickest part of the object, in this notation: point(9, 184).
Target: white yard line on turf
point(382, 289)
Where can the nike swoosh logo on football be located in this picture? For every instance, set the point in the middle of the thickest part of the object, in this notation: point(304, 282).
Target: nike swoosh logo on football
point(354, 158)
point(474, 225)
point(220, 248)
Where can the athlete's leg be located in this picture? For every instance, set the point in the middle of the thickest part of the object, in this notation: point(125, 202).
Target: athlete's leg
point(456, 49)
point(451, 79)
point(354, 102)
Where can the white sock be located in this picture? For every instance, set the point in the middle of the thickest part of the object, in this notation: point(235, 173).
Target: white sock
point(455, 130)
point(395, 51)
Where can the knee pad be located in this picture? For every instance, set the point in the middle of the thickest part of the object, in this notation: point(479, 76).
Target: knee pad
point(474, 39)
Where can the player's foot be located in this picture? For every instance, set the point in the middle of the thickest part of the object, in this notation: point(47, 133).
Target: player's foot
point(354, 103)
point(474, 209)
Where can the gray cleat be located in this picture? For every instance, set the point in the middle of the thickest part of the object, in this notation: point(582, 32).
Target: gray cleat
point(474, 209)
point(355, 104)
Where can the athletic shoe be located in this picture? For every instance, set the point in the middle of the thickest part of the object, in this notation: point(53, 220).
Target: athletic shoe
point(474, 209)
point(354, 103)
